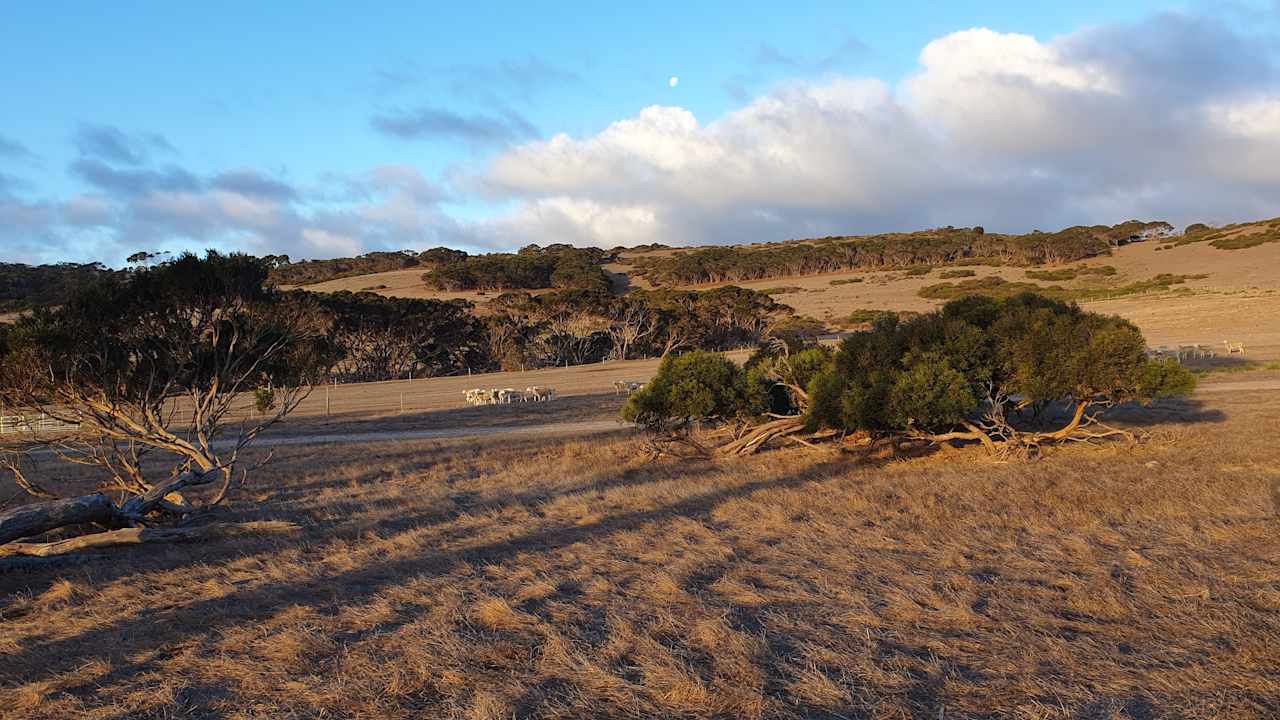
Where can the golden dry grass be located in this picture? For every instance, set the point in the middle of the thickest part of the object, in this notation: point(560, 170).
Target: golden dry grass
point(553, 579)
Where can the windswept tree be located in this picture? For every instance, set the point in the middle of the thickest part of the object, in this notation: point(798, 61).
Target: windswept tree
point(987, 370)
point(163, 362)
point(1014, 375)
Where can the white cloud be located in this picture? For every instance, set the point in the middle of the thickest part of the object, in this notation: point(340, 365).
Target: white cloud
point(1174, 117)
point(999, 129)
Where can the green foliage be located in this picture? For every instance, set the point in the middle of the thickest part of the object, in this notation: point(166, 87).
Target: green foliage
point(1167, 377)
point(188, 325)
point(991, 286)
point(797, 332)
point(264, 399)
point(847, 281)
point(910, 251)
point(384, 338)
point(918, 270)
point(1244, 241)
point(1072, 273)
point(936, 370)
point(997, 287)
point(695, 386)
point(1238, 236)
point(867, 316)
point(775, 379)
point(559, 266)
point(23, 287)
point(960, 273)
point(929, 393)
point(309, 272)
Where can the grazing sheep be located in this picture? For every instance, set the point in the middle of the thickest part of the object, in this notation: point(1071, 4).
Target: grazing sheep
point(539, 394)
point(626, 386)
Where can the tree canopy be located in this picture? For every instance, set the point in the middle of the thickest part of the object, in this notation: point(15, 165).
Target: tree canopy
point(981, 369)
point(154, 360)
point(941, 246)
point(533, 268)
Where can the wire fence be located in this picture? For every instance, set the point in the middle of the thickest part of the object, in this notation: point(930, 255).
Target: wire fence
point(408, 396)
point(32, 424)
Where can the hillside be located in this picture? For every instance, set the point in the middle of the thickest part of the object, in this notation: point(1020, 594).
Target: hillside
point(23, 287)
point(1220, 282)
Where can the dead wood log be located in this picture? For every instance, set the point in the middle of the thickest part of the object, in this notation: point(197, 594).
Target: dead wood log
point(165, 496)
point(36, 518)
point(140, 536)
point(755, 438)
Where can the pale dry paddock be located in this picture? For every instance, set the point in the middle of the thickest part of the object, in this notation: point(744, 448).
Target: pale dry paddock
point(542, 578)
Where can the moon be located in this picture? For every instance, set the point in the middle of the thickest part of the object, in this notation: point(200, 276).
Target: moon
point(674, 81)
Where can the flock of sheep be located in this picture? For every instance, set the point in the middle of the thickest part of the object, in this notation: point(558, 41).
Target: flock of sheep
point(506, 396)
point(536, 393)
point(1195, 352)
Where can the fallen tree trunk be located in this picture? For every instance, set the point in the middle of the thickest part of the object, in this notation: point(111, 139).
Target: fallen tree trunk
point(758, 436)
point(37, 518)
point(140, 536)
point(136, 507)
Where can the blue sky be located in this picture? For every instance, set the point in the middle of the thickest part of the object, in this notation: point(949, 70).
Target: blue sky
point(318, 130)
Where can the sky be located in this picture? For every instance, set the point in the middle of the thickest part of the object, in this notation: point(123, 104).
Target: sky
point(321, 130)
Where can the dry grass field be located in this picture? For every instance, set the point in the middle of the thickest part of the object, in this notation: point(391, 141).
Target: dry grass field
point(549, 578)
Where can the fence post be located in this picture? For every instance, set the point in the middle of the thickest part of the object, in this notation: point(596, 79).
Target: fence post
point(327, 404)
point(401, 403)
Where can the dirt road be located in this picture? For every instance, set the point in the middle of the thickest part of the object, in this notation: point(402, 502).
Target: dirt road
point(568, 428)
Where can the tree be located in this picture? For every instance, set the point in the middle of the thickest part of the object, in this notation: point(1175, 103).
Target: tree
point(382, 338)
point(689, 388)
point(631, 322)
point(157, 363)
point(980, 369)
point(973, 370)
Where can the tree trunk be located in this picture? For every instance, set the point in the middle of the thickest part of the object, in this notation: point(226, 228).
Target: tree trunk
point(140, 536)
point(37, 518)
point(139, 505)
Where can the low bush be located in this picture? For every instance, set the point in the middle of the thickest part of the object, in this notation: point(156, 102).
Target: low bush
point(692, 387)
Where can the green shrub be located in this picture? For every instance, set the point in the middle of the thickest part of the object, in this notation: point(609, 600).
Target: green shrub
point(966, 361)
point(952, 274)
point(1070, 273)
point(847, 281)
point(1242, 242)
point(919, 270)
point(695, 386)
point(866, 316)
point(264, 400)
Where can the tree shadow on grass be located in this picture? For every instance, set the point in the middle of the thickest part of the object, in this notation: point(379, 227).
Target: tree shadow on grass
point(35, 575)
point(139, 634)
point(1166, 412)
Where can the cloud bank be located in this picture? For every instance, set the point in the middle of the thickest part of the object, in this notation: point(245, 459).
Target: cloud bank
point(1176, 117)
